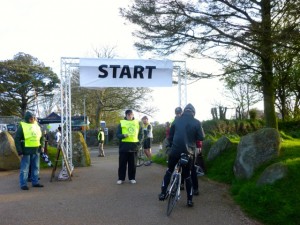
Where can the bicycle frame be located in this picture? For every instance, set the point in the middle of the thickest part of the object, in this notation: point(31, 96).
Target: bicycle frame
point(140, 160)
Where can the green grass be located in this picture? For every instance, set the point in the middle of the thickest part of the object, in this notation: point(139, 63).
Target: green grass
point(272, 204)
point(220, 169)
point(160, 159)
point(276, 204)
point(52, 151)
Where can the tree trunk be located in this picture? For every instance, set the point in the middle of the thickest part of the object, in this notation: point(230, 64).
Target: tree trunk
point(267, 66)
point(98, 109)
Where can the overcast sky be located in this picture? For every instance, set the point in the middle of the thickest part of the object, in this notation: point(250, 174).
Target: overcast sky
point(51, 29)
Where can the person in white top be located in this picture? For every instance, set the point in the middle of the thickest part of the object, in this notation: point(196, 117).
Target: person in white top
point(148, 136)
point(58, 137)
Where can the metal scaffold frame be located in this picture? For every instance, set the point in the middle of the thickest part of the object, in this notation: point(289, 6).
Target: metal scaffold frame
point(67, 67)
point(181, 79)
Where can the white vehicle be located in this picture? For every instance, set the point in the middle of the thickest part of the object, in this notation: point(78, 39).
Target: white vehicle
point(3, 127)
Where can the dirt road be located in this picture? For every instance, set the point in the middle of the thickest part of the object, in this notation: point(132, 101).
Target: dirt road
point(93, 197)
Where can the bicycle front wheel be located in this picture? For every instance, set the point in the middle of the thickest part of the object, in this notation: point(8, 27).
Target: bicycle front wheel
point(173, 195)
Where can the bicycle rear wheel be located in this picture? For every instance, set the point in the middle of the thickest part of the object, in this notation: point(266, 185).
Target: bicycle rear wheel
point(140, 159)
point(173, 195)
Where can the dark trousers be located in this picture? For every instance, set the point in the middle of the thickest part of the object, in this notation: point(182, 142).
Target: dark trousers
point(194, 178)
point(186, 175)
point(127, 159)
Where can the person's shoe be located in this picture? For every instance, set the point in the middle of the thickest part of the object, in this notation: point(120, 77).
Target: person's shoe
point(25, 188)
point(119, 182)
point(148, 163)
point(38, 185)
point(162, 197)
point(196, 192)
point(200, 171)
point(133, 181)
point(190, 203)
point(181, 187)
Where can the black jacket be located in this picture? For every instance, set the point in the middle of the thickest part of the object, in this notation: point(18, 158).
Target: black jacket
point(184, 133)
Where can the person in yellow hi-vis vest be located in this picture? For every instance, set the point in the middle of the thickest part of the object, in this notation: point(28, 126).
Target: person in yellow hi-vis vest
point(129, 135)
point(28, 140)
point(100, 138)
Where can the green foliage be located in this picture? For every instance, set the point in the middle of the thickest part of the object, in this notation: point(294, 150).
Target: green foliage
point(285, 136)
point(291, 128)
point(218, 128)
point(159, 133)
point(253, 114)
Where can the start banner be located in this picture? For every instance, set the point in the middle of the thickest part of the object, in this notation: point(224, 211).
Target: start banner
point(98, 73)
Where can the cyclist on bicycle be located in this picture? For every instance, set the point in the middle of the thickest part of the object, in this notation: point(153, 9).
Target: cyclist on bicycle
point(184, 133)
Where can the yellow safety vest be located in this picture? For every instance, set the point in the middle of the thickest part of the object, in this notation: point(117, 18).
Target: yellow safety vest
point(32, 134)
point(101, 134)
point(130, 127)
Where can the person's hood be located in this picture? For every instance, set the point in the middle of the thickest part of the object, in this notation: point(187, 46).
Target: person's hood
point(191, 108)
point(27, 116)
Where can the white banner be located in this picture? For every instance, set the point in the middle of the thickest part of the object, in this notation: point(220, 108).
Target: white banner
point(97, 73)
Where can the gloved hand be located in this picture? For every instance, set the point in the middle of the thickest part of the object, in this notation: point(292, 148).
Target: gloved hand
point(168, 146)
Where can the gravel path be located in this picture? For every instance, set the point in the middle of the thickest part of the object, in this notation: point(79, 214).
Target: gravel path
point(93, 197)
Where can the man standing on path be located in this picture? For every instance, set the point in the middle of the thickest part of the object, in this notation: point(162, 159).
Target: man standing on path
point(100, 138)
point(183, 136)
point(129, 135)
point(28, 139)
point(148, 137)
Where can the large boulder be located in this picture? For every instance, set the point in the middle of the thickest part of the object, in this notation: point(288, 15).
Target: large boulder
point(9, 159)
point(220, 146)
point(273, 173)
point(81, 155)
point(255, 149)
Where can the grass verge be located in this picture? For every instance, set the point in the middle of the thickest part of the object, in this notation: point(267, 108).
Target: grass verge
point(276, 204)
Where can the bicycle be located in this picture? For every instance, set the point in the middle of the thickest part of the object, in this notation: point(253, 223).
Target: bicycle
point(140, 160)
point(173, 193)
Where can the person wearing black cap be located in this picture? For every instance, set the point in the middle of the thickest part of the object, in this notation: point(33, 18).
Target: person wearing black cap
point(178, 111)
point(129, 135)
point(184, 134)
point(28, 140)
